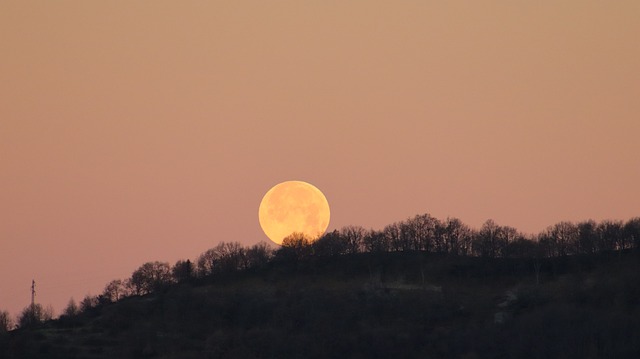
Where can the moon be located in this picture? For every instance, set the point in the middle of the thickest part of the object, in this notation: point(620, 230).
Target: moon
point(293, 206)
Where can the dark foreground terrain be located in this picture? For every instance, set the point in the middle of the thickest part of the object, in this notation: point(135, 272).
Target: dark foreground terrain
point(388, 305)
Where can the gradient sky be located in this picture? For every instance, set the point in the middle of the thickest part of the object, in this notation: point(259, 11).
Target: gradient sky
point(150, 130)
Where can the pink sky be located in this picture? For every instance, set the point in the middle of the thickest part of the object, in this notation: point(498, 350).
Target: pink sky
point(150, 130)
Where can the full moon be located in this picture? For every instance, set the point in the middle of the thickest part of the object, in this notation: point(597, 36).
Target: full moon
point(293, 206)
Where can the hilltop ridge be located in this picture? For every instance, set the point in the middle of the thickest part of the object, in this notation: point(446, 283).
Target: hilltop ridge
point(368, 305)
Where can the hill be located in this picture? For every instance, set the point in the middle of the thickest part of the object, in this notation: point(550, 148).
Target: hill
point(368, 305)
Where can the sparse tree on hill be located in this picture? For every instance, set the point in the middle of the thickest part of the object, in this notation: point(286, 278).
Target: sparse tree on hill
point(6, 323)
point(330, 244)
point(231, 257)
point(182, 271)
point(407, 236)
point(33, 315)
point(295, 246)
point(114, 291)
point(392, 234)
point(88, 302)
point(610, 235)
point(487, 241)
point(423, 228)
point(563, 237)
point(353, 237)
point(546, 244)
point(456, 236)
point(375, 242)
point(206, 262)
point(506, 236)
point(72, 309)
point(259, 254)
point(150, 277)
point(225, 257)
point(587, 237)
point(632, 232)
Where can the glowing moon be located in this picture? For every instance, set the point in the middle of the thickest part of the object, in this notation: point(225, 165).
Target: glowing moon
point(293, 206)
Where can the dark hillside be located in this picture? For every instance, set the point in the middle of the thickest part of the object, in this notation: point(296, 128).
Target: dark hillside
point(369, 305)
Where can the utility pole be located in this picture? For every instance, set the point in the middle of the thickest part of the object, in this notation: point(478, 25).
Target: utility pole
point(33, 298)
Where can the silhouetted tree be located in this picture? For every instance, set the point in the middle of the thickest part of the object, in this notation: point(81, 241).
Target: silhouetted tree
point(88, 303)
point(226, 256)
point(295, 247)
point(330, 244)
point(34, 315)
point(587, 237)
point(6, 323)
point(206, 262)
point(150, 277)
point(72, 309)
point(353, 237)
point(375, 242)
point(610, 234)
point(547, 245)
point(113, 291)
point(231, 257)
point(392, 235)
point(487, 241)
point(456, 236)
point(182, 271)
point(632, 232)
point(505, 237)
point(407, 236)
point(563, 238)
point(419, 233)
point(626, 239)
point(259, 255)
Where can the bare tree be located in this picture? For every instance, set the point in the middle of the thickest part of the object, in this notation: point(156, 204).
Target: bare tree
point(562, 238)
point(226, 256)
point(330, 244)
point(71, 309)
point(392, 235)
point(182, 271)
point(632, 232)
point(587, 237)
point(353, 237)
point(88, 302)
point(423, 230)
point(150, 277)
point(259, 254)
point(407, 236)
point(114, 291)
point(32, 315)
point(6, 323)
point(231, 257)
point(456, 236)
point(206, 262)
point(375, 242)
point(609, 235)
point(295, 246)
point(487, 241)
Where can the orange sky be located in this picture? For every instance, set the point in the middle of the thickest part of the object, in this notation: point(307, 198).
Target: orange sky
point(150, 130)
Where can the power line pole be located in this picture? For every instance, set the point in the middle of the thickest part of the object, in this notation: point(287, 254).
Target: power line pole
point(33, 297)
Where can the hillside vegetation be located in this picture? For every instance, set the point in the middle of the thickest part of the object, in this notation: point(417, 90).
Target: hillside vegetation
point(369, 305)
point(417, 288)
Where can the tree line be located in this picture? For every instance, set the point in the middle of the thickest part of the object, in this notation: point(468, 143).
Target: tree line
point(423, 233)
point(451, 236)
